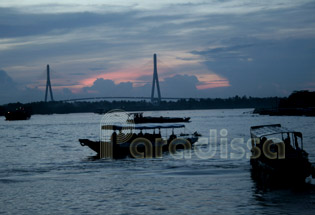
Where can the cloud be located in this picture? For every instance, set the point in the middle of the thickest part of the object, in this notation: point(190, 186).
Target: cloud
point(8, 89)
point(106, 87)
point(255, 47)
point(175, 86)
point(180, 86)
point(6, 82)
point(234, 51)
point(11, 92)
point(264, 68)
point(20, 24)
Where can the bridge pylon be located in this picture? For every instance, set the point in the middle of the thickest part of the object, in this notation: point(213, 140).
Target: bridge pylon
point(155, 82)
point(48, 86)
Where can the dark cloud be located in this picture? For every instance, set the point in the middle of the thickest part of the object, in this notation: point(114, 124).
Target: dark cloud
point(16, 23)
point(8, 89)
point(276, 68)
point(180, 86)
point(224, 52)
point(98, 68)
point(10, 92)
point(175, 86)
point(102, 87)
point(77, 73)
point(6, 82)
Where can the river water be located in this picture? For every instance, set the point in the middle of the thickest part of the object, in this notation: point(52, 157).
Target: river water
point(44, 170)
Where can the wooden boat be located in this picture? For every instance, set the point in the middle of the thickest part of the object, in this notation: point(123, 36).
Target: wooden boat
point(18, 114)
point(139, 144)
point(138, 118)
point(278, 156)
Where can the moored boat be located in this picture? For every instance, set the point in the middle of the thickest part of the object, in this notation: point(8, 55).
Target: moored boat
point(278, 156)
point(18, 114)
point(138, 118)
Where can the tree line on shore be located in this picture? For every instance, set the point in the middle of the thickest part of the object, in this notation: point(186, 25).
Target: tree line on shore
point(297, 100)
point(299, 103)
point(59, 107)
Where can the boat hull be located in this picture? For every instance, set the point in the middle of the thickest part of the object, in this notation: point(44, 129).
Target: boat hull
point(11, 116)
point(140, 120)
point(125, 150)
point(281, 172)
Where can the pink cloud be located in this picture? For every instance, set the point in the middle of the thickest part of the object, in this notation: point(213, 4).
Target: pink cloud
point(208, 81)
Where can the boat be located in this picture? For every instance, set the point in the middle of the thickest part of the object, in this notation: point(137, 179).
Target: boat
point(132, 142)
point(18, 114)
point(278, 157)
point(309, 111)
point(138, 118)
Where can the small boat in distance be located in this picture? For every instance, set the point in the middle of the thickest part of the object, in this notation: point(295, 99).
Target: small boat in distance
point(278, 157)
point(18, 114)
point(138, 118)
point(149, 144)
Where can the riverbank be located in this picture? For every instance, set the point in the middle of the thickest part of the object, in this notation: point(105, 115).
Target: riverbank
point(60, 107)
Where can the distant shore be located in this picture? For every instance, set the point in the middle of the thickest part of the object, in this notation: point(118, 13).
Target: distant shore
point(285, 111)
point(299, 103)
point(58, 107)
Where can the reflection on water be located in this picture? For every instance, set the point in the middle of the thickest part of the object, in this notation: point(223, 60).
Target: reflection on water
point(45, 170)
point(285, 200)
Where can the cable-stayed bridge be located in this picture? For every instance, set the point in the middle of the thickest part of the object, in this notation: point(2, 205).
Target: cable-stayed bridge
point(155, 83)
point(120, 97)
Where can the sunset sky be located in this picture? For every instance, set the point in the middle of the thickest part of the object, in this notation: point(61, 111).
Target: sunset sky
point(206, 48)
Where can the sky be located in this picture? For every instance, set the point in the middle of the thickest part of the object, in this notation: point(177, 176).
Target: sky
point(207, 48)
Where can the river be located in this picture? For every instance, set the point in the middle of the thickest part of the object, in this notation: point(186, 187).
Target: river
point(44, 170)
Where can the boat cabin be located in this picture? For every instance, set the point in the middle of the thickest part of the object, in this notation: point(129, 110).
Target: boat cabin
point(287, 140)
point(123, 139)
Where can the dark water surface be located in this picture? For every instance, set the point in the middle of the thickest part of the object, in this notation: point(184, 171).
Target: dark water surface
point(44, 170)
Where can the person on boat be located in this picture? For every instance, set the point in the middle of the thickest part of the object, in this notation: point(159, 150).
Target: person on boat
point(140, 134)
point(172, 137)
point(114, 137)
point(287, 143)
point(158, 135)
point(263, 140)
point(296, 143)
point(287, 140)
point(121, 136)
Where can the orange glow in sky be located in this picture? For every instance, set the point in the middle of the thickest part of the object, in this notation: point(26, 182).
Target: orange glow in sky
point(207, 80)
point(117, 77)
point(211, 81)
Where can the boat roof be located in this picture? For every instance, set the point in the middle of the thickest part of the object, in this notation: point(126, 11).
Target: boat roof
point(134, 113)
point(141, 127)
point(265, 130)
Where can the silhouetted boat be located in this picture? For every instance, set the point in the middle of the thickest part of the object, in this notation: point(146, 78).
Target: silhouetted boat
point(138, 118)
point(310, 111)
point(278, 156)
point(18, 114)
point(149, 144)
